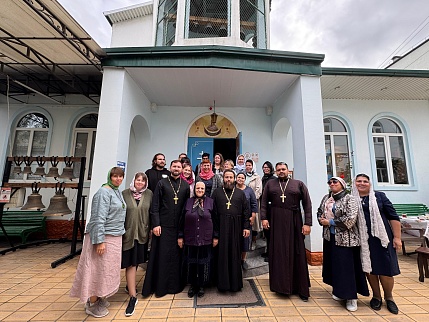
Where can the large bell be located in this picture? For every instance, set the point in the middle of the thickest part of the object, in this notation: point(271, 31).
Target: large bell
point(27, 170)
point(34, 201)
point(53, 170)
point(58, 204)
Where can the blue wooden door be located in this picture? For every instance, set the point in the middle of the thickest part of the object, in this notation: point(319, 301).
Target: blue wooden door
point(196, 147)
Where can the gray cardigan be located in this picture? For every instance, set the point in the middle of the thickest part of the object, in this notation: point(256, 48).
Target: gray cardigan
point(137, 220)
point(107, 215)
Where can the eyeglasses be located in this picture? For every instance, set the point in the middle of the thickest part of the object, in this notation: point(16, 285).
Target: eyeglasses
point(333, 181)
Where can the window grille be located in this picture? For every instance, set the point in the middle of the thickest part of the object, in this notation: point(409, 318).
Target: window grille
point(252, 23)
point(166, 23)
point(207, 18)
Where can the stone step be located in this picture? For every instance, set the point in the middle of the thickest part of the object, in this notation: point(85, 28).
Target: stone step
point(256, 263)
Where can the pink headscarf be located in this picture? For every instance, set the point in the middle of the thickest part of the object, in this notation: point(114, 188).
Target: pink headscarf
point(208, 175)
point(137, 194)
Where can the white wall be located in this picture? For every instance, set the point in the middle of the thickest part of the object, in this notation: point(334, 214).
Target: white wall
point(417, 59)
point(415, 116)
point(137, 32)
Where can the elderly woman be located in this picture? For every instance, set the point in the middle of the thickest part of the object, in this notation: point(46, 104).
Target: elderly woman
point(240, 165)
point(211, 180)
point(198, 236)
point(384, 230)
point(135, 240)
point(98, 273)
point(343, 268)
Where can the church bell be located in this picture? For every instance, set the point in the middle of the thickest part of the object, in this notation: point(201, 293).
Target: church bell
point(34, 201)
point(58, 204)
point(68, 170)
point(53, 170)
point(40, 170)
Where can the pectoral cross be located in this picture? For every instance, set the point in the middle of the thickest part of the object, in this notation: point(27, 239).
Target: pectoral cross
point(228, 204)
point(283, 197)
point(175, 200)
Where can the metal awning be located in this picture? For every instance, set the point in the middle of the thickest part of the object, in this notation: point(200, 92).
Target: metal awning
point(45, 52)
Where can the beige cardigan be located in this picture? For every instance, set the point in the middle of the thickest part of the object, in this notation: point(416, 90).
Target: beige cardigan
point(137, 220)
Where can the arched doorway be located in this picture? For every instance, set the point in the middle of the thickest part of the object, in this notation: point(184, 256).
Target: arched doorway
point(212, 134)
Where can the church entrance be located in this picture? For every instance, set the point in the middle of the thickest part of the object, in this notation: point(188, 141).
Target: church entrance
point(213, 134)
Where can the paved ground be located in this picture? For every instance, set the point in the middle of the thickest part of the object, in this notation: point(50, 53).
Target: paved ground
point(30, 290)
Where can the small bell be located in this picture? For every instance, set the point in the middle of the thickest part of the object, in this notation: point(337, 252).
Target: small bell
point(53, 170)
point(34, 201)
point(58, 204)
point(40, 170)
point(68, 170)
point(17, 167)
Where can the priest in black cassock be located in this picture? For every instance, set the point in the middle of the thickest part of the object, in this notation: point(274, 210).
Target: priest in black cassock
point(287, 260)
point(233, 218)
point(163, 274)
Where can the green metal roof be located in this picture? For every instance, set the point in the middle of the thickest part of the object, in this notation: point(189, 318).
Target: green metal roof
point(216, 57)
point(334, 71)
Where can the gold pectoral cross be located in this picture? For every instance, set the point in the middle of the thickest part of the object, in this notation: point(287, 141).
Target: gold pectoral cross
point(228, 204)
point(175, 200)
point(283, 197)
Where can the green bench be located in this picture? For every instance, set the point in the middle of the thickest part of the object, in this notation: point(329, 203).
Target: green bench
point(411, 209)
point(23, 223)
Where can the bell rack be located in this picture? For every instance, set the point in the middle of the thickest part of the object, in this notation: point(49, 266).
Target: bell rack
point(79, 213)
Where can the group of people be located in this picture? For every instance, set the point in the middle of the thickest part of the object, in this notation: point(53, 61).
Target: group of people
point(200, 225)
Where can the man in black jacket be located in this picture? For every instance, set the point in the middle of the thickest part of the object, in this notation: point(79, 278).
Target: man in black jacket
point(157, 172)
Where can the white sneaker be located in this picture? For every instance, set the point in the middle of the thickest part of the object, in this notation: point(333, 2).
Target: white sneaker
point(96, 310)
point(351, 305)
point(336, 298)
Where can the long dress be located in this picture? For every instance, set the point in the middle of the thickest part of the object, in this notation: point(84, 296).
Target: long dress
point(287, 259)
point(384, 261)
point(231, 222)
point(163, 275)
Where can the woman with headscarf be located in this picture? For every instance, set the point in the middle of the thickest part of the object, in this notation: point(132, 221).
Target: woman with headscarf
point(98, 273)
point(188, 175)
point(135, 240)
point(240, 165)
point(211, 181)
point(345, 247)
point(384, 231)
point(268, 171)
point(198, 235)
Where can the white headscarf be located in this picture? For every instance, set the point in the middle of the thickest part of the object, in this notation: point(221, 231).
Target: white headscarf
point(377, 226)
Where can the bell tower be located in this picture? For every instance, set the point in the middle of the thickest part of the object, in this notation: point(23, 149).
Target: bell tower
point(239, 23)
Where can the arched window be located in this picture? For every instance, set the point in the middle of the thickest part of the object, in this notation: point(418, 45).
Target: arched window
point(337, 149)
point(389, 151)
point(84, 142)
point(31, 135)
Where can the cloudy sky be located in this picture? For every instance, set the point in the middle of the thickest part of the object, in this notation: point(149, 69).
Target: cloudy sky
point(351, 33)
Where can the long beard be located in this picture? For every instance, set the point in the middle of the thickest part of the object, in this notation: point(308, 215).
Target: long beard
point(228, 186)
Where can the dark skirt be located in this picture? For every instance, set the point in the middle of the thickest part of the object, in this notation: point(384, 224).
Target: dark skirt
point(134, 256)
point(342, 269)
point(198, 265)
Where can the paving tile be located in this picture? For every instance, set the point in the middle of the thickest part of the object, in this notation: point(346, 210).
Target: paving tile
point(419, 317)
point(259, 311)
point(263, 319)
point(310, 310)
point(155, 313)
point(48, 316)
point(159, 305)
point(285, 311)
point(411, 309)
point(235, 319)
point(397, 318)
point(34, 306)
point(206, 319)
point(182, 303)
point(233, 311)
point(208, 312)
point(348, 318)
point(317, 318)
point(181, 312)
point(20, 316)
point(289, 319)
point(9, 306)
point(277, 302)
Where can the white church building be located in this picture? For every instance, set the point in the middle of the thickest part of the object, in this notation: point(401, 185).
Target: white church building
point(198, 76)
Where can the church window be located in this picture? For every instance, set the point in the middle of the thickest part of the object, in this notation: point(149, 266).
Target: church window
point(207, 18)
point(252, 23)
point(337, 149)
point(389, 152)
point(84, 143)
point(166, 23)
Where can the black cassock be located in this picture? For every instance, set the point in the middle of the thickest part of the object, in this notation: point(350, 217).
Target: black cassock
point(231, 223)
point(163, 275)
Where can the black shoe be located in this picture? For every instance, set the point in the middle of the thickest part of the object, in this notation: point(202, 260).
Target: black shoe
point(131, 306)
point(303, 298)
point(375, 304)
point(201, 292)
point(266, 259)
point(392, 307)
point(264, 255)
point(192, 291)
